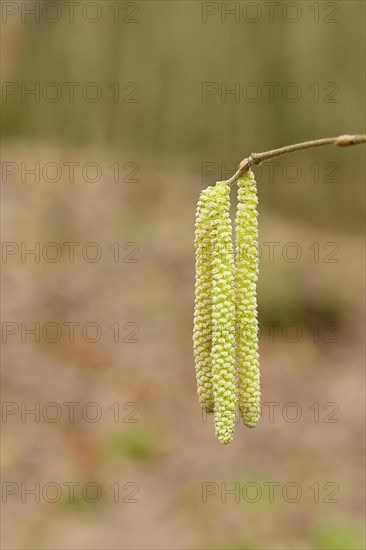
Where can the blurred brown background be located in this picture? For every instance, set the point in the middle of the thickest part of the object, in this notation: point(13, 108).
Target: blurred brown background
point(130, 118)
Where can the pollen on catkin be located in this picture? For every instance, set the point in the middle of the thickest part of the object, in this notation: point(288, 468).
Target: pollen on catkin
point(223, 315)
point(246, 276)
point(202, 329)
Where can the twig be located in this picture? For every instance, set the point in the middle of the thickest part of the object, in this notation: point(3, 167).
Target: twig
point(257, 158)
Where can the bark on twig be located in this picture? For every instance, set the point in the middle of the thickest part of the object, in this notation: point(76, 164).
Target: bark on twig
point(256, 158)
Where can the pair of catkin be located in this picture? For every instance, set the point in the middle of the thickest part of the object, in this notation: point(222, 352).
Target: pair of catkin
point(225, 335)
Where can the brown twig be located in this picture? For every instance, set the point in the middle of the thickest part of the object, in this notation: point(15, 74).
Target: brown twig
point(256, 158)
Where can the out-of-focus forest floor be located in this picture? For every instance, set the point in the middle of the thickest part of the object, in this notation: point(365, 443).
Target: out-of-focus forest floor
point(171, 450)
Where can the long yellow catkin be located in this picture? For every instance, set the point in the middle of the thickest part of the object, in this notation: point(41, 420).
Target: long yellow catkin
point(223, 315)
point(202, 330)
point(246, 276)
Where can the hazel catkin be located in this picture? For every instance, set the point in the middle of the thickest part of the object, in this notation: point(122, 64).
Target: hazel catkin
point(202, 329)
point(223, 315)
point(246, 276)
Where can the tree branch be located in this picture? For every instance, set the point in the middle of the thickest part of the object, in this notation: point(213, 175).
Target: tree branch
point(257, 158)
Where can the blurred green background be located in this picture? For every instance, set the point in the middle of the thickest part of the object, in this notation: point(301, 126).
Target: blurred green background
point(160, 70)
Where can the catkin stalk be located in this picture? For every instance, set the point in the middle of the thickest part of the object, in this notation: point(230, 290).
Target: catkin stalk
point(202, 329)
point(246, 276)
point(223, 315)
